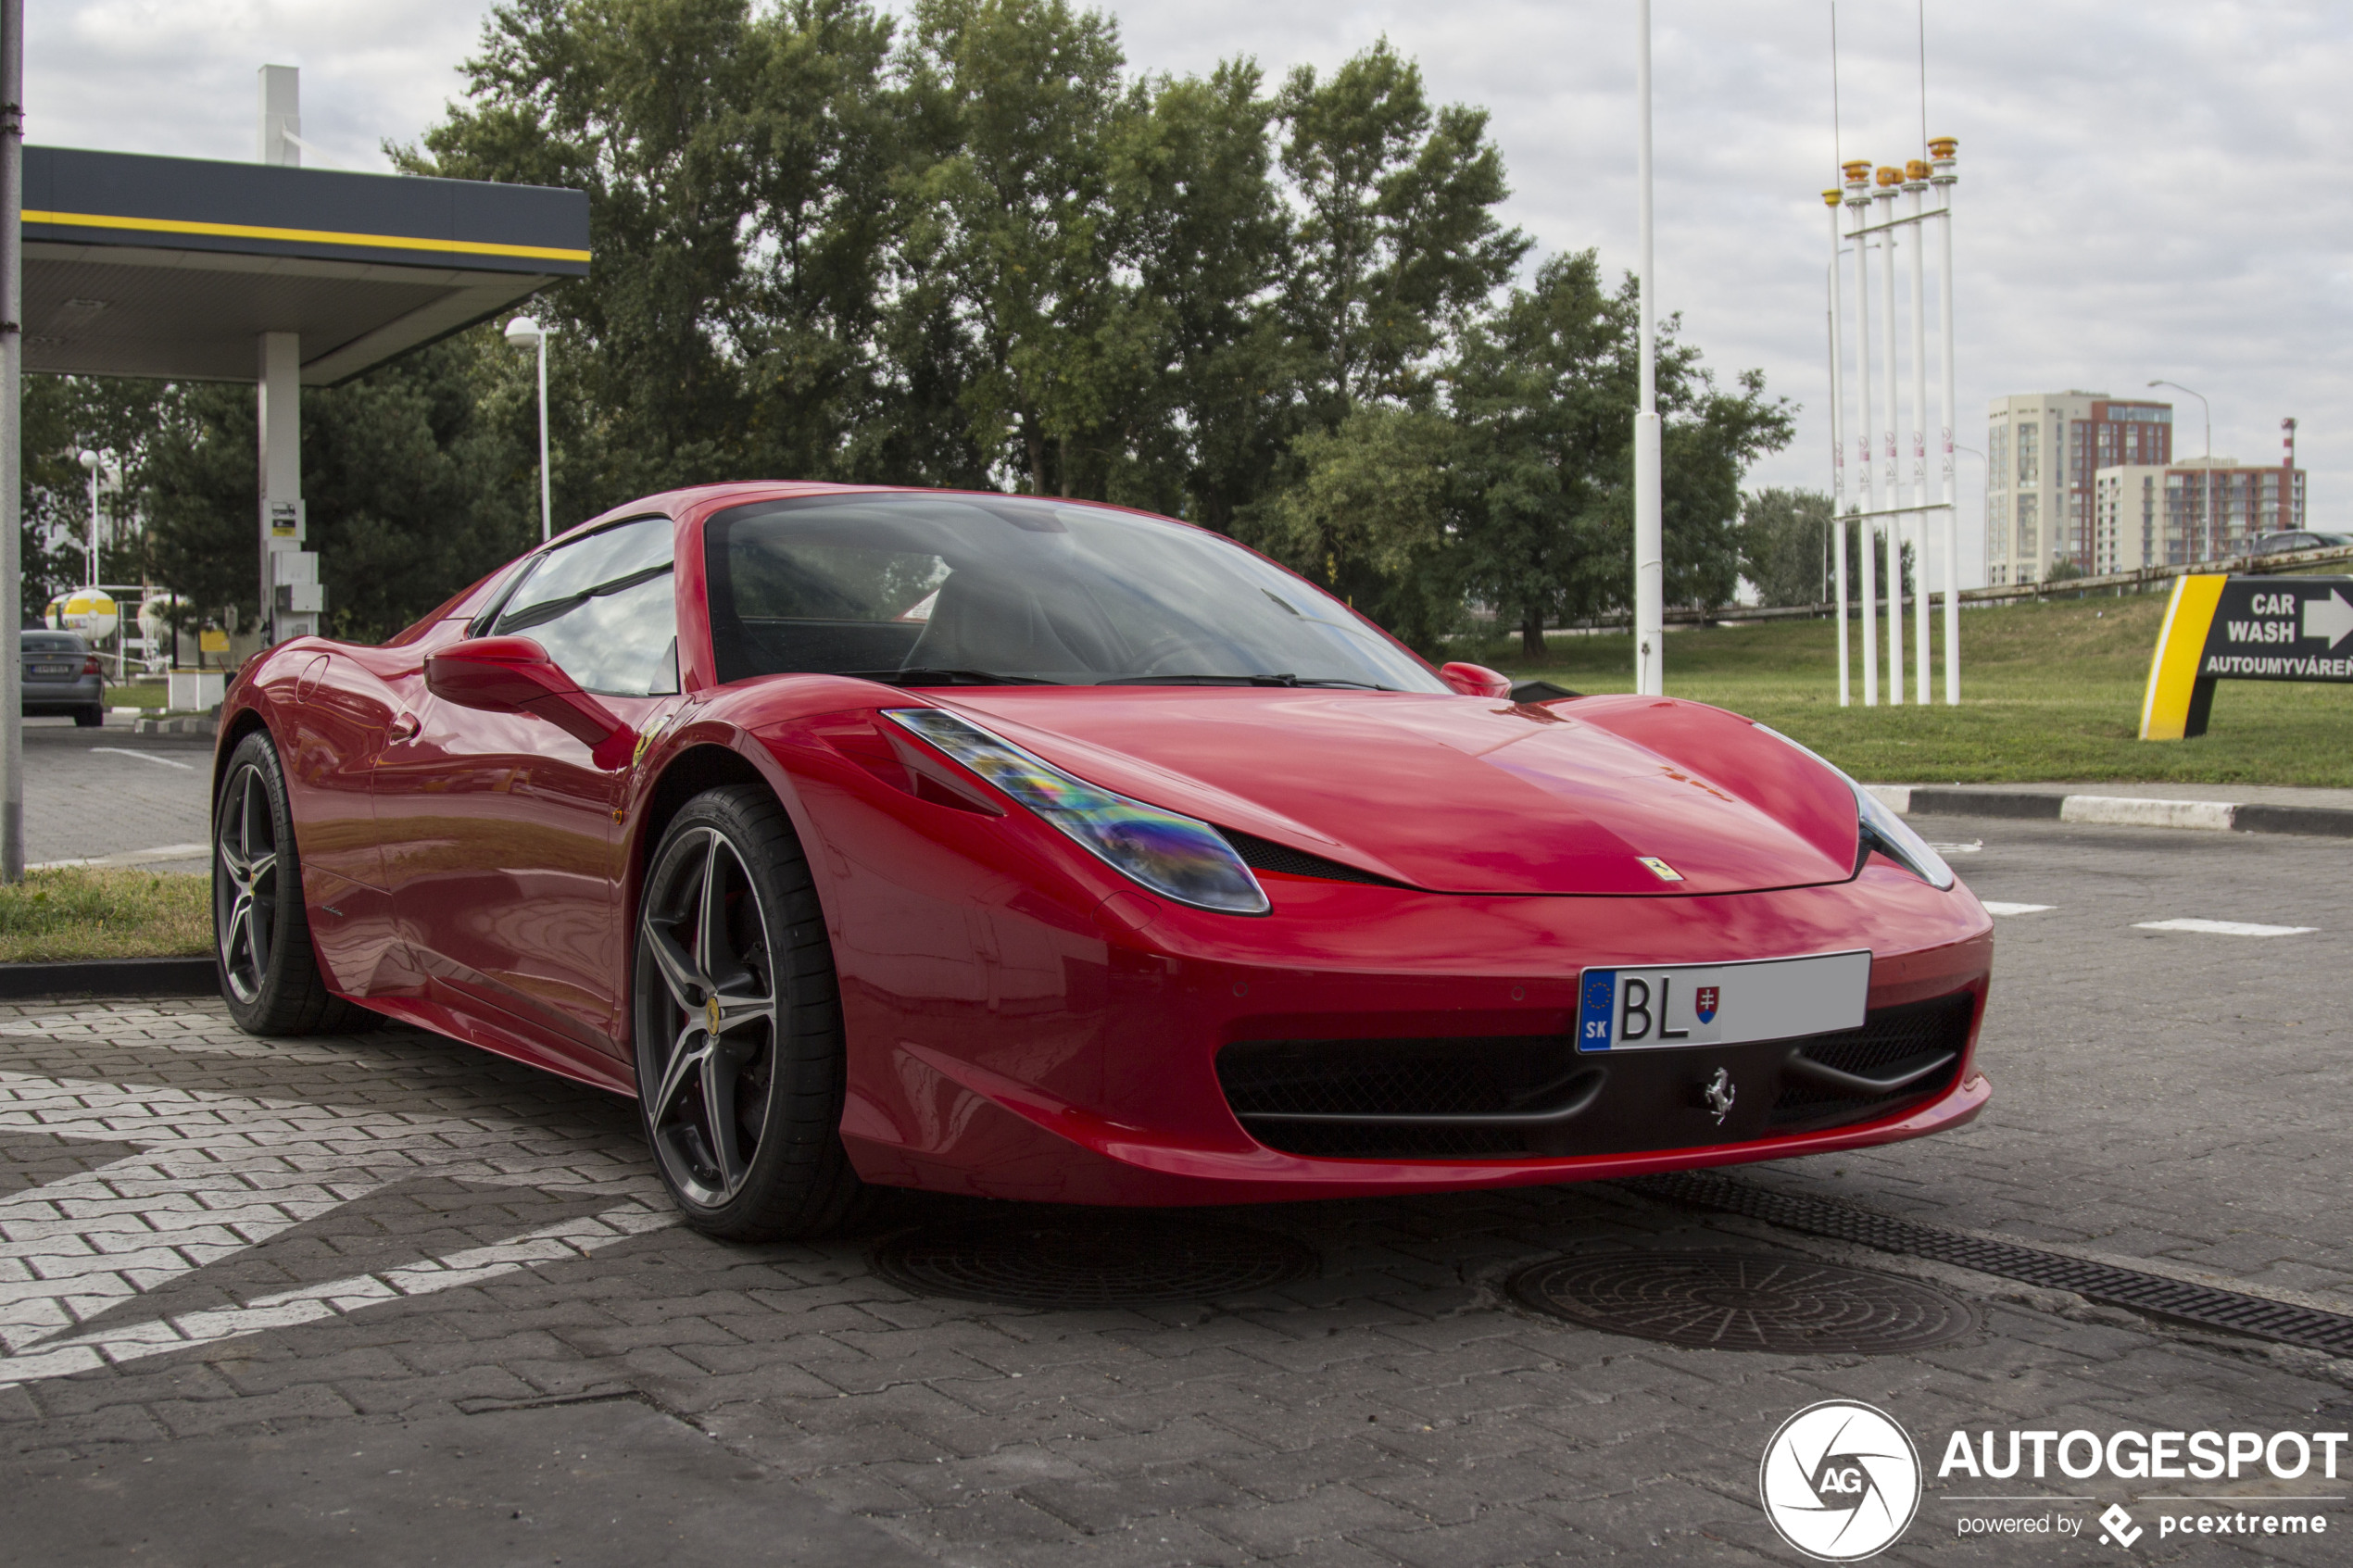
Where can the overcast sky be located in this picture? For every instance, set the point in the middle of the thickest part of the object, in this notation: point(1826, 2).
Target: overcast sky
point(2148, 190)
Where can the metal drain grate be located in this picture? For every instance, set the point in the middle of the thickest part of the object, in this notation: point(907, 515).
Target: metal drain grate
point(2256, 1315)
point(1746, 1301)
point(1120, 1260)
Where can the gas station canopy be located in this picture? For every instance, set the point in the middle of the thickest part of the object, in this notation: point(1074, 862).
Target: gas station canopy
point(173, 268)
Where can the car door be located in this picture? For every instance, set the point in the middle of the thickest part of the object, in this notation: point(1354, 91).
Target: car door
point(498, 839)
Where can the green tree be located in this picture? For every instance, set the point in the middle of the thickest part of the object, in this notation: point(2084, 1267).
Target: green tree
point(418, 478)
point(1373, 516)
point(1544, 396)
point(1785, 546)
point(1209, 240)
point(1545, 389)
point(1013, 229)
point(64, 416)
point(734, 163)
point(1398, 238)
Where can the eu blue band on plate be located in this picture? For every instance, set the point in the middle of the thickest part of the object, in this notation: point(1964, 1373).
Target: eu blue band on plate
point(1597, 1005)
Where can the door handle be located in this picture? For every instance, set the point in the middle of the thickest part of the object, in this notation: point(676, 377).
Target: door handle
point(402, 726)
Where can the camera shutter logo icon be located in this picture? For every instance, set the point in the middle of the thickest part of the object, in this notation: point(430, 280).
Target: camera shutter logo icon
point(1840, 1481)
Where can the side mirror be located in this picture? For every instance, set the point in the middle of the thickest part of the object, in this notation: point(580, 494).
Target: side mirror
point(1474, 680)
point(515, 675)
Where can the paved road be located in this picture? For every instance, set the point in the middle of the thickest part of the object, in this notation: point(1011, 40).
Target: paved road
point(109, 793)
point(221, 1257)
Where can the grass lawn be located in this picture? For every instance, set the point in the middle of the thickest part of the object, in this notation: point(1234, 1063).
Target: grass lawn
point(135, 694)
point(102, 912)
point(2048, 692)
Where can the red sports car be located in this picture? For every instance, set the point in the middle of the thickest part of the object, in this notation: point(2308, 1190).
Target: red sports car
point(1010, 846)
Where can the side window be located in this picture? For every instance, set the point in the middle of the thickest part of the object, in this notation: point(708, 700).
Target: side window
point(604, 608)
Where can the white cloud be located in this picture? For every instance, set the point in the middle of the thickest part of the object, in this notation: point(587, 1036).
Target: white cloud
point(2146, 191)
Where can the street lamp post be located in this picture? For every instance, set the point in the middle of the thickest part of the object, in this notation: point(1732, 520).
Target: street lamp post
point(525, 331)
point(11, 430)
point(2212, 538)
point(91, 462)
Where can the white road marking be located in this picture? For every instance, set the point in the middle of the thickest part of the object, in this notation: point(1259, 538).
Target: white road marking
point(561, 1243)
point(145, 756)
point(215, 1175)
point(2224, 927)
point(1995, 907)
point(1971, 848)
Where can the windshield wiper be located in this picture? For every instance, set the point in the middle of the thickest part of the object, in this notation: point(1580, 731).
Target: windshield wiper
point(922, 675)
point(1284, 680)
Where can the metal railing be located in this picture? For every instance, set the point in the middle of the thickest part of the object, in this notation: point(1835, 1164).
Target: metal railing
point(2142, 580)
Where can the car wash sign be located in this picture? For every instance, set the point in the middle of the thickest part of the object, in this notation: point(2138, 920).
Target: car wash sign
point(2244, 629)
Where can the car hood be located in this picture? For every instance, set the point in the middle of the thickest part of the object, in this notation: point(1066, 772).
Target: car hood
point(1459, 795)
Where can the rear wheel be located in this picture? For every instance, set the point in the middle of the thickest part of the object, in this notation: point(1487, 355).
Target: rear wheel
point(741, 1058)
point(261, 934)
point(89, 718)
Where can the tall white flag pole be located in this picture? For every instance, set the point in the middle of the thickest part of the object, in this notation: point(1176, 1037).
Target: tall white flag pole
point(1916, 186)
point(1891, 415)
point(1838, 458)
point(1858, 202)
point(1940, 152)
point(1650, 572)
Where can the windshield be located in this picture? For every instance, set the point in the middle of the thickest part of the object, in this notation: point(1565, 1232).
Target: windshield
point(942, 589)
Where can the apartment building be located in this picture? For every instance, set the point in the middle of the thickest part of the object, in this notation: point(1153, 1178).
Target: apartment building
point(2148, 514)
point(2043, 454)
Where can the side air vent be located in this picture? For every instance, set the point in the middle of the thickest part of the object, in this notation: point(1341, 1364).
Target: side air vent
point(1265, 855)
point(1899, 1054)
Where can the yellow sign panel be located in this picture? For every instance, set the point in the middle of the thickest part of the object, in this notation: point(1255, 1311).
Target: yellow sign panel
point(2165, 709)
point(212, 640)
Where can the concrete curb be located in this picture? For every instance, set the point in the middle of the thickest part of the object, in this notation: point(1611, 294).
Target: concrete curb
point(110, 977)
point(2116, 810)
point(190, 724)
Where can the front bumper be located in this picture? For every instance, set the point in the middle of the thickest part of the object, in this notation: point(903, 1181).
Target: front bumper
point(1081, 1064)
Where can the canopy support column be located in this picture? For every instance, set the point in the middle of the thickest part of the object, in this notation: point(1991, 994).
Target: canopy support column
point(290, 597)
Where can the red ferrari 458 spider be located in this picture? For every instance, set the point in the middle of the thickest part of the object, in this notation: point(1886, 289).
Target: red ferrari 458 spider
point(1032, 848)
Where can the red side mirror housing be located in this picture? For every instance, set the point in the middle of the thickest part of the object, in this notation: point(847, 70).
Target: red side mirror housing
point(515, 675)
point(1476, 680)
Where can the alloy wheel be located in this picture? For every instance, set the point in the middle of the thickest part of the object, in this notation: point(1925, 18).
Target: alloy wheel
point(706, 934)
point(245, 894)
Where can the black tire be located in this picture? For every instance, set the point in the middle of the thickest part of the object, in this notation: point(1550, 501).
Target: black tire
point(89, 718)
point(738, 1025)
point(260, 933)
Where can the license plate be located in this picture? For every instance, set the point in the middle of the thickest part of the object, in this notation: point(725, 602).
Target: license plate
point(53, 668)
point(1723, 1004)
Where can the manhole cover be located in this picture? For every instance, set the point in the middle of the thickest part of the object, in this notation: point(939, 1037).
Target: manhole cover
point(1735, 1302)
point(1118, 1260)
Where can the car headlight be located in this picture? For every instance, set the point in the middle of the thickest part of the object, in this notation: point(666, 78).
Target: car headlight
point(1173, 855)
point(1881, 829)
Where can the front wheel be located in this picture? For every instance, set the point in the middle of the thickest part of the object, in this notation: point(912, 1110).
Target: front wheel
point(740, 1051)
point(261, 934)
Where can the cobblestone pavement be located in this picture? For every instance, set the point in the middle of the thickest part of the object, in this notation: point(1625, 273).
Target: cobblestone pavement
point(211, 1240)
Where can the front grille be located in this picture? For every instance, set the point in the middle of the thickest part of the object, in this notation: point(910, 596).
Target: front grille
point(1891, 1042)
point(1265, 855)
point(1520, 1095)
point(1439, 1077)
point(1341, 1141)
